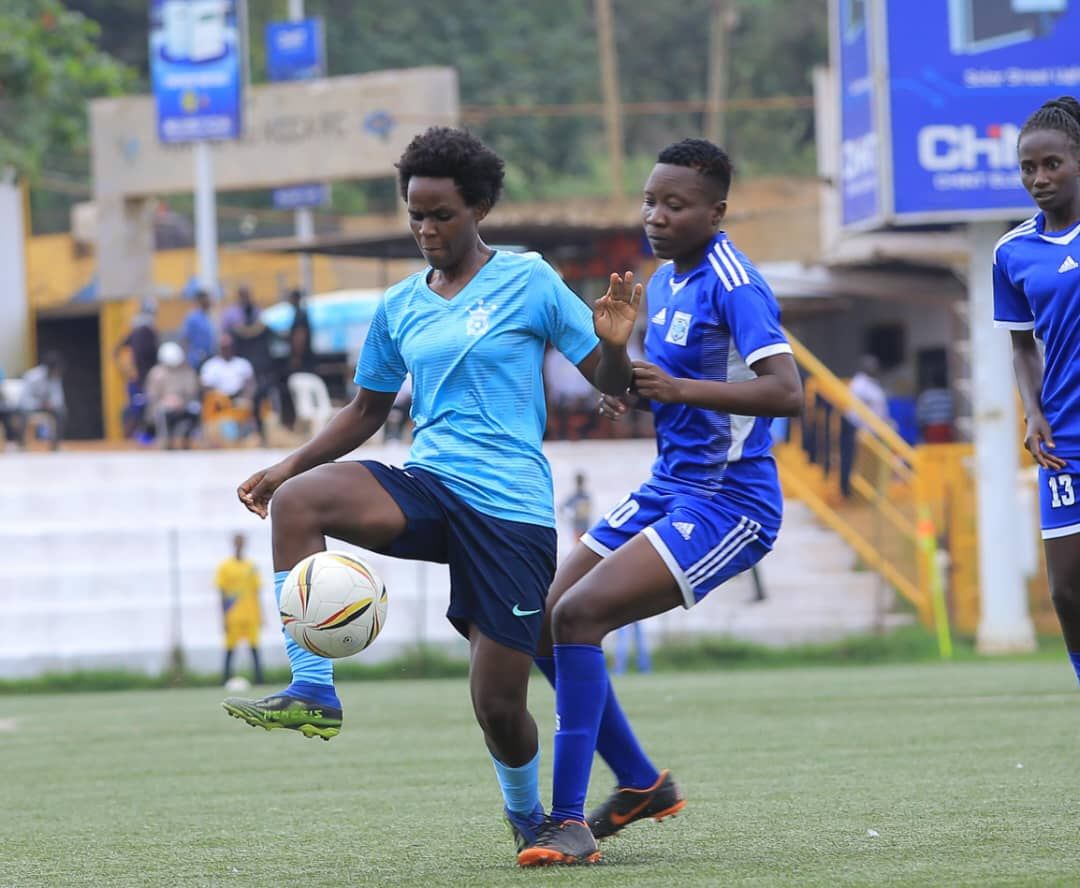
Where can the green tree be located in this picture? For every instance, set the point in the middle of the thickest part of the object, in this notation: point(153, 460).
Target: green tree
point(49, 68)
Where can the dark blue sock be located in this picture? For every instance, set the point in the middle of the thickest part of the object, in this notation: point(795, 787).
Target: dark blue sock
point(322, 694)
point(615, 740)
point(1074, 658)
point(619, 747)
point(580, 695)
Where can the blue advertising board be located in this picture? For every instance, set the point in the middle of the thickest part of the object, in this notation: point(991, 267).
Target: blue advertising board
point(295, 50)
point(860, 165)
point(962, 76)
point(295, 197)
point(195, 69)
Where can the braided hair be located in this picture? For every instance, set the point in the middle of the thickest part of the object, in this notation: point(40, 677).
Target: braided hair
point(1061, 114)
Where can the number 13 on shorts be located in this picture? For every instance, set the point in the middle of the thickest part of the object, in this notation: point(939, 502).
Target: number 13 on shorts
point(1061, 490)
point(1059, 505)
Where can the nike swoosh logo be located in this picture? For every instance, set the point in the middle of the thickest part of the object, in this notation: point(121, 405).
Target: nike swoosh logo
point(518, 612)
point(622, 819)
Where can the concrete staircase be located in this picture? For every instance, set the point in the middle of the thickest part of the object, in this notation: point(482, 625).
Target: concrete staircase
point(109, 560)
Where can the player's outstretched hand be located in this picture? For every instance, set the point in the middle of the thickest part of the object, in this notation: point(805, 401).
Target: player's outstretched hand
point(653, 383)
point(615, 312)
point(614, 407)
point(255, 493)
point(1038, 439)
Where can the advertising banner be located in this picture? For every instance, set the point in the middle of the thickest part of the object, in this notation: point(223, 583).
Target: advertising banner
point(295, 50)
point(860, 167)
point(963, 75)
point(195, 69)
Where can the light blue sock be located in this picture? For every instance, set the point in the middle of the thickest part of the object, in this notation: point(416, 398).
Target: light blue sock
point(307, 667)
point(520, 786)
point(1074, 658)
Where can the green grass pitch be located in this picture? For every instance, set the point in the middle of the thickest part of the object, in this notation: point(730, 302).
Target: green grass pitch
point(934, 775)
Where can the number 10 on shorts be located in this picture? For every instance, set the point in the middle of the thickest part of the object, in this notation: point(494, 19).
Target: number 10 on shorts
point(1061, 491)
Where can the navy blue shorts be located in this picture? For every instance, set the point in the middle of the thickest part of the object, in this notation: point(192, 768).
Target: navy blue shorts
point(500, 570)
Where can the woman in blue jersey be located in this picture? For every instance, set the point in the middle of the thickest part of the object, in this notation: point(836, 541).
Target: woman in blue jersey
point(475, 492)
point(717, 363)
point(1036, 296)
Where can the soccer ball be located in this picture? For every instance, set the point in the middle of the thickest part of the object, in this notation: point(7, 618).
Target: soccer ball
point(333, 604)
point(237, 685)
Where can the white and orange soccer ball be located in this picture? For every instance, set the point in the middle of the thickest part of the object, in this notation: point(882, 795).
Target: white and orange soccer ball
point(333, 604)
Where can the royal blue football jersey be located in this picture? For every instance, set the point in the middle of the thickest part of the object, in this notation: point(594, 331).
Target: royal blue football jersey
point(1037, 287)
point(478, 391)
point(712, 323)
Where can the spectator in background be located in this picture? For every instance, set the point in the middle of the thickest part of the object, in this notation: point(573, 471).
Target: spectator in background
point(240, 312)
point(569, 395)
point(866, 386)
point(141, 344)
point(934, 411)
point(229, 374)
point(11, 419)
point(577, 508)
point(198, 331)
point(253, 341)
point(172, 393)
point(43, 392)
point(237, 579)
point(301, 355)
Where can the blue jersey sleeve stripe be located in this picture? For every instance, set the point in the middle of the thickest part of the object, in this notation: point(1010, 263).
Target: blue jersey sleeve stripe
point(767, 351)
point(1014, 325)
point(731, 270)
point(720, 273)
point(743, 276)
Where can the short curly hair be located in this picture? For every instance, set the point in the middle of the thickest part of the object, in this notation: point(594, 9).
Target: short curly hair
point(1061, 114)
point(702, 155)
point(443, 152)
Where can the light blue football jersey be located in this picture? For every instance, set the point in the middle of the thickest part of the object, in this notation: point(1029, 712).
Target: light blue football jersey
point(477, 384)
point(1037, 287)
point(713, 323)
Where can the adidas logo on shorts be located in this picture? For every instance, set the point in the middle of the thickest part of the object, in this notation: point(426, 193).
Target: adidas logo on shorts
point(685, 528)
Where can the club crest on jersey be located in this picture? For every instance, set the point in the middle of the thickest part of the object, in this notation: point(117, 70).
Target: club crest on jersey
point(679, 329)
point(479, 319)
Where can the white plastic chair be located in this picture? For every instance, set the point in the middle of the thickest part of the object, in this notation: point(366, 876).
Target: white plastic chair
point(311, 400)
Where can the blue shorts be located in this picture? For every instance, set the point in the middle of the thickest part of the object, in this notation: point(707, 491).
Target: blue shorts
point(500, 570)
point(703, 540)
point(1059, 501)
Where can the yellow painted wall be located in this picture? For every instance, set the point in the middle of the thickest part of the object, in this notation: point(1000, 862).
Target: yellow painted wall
point(57, 268)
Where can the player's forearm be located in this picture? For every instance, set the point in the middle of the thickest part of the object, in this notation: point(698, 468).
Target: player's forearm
point(763, 396)
point(614, 373)
point(1028, 368)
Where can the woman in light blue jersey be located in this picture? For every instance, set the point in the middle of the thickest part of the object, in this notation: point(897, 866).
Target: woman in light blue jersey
point(475, 492)
point(1036, 297)
point(717, 367)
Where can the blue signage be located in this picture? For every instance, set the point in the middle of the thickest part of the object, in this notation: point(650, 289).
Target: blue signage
point(962, 78)
point(295, 50)
point(296, 197)
point(195, 69)
point(860, 165)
